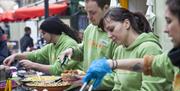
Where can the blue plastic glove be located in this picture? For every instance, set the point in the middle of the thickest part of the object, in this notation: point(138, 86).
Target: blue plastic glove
point(97, 71)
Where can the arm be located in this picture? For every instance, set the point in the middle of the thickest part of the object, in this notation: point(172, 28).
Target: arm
point(42, 67)
point(40, 55)
point(77, 52)
point(20, 56)
point(36, 56)
point(32, 65)
point(138, 65)
point(74, 52)
point(127, 64)
point(17, 56)
point(100, 67)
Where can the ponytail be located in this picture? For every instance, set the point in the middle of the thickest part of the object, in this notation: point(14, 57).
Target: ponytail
point(142, 23)
point(138, 22)
point(70, 32)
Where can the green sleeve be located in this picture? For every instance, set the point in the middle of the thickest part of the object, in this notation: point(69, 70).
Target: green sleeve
point(40, 55)
point(163, 67)
point(78, 52)
point(149, 82)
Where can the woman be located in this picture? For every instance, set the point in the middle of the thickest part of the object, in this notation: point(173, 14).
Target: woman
point(59, 37)
point(133, 33)
point(165, 65)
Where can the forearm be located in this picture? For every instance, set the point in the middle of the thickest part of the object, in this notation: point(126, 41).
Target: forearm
point(138, 65)
point(41, 67)
point(20, 56)
point(127, 64)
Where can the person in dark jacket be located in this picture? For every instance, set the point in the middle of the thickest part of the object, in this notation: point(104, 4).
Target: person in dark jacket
point(26, 41)
point(4, 51)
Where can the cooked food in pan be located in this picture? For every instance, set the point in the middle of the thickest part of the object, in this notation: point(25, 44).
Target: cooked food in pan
point(72, 75)
point(48, 84)
point(40, 78)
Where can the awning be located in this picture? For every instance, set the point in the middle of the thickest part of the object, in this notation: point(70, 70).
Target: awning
point(25, 13)
point(7, 16)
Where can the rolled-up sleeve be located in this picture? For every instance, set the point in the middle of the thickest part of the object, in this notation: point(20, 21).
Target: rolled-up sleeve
point(162, 67)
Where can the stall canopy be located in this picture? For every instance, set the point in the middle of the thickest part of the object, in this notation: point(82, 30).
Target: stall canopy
point(7, 16)
point(38, 11)
point(25, 13)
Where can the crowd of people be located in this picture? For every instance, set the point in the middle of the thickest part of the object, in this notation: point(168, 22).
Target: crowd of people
point(119, 50)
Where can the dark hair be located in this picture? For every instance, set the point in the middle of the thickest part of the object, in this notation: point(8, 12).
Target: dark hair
point(54, 25)
point(26, 29)
point(174, 7)
point(100, 3)
point(138, 22)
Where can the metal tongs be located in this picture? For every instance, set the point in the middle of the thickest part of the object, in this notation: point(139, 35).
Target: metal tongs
point(85, 85)
point(65, 59)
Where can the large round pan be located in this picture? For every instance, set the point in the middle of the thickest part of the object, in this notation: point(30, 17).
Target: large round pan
point(48, 86)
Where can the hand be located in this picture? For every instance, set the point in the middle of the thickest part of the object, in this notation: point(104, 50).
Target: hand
point(27, 64)
point(68, 52)
point(97, 71)
point(7, 61)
